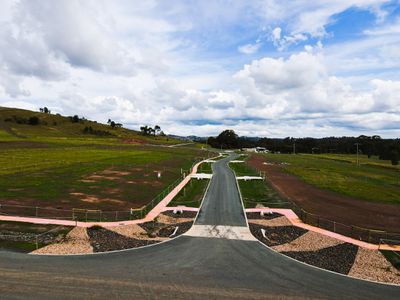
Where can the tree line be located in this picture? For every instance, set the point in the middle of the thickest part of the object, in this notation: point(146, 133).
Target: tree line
point(386, 149)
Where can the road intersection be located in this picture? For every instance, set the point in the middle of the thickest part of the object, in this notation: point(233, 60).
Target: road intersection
point(215, 259)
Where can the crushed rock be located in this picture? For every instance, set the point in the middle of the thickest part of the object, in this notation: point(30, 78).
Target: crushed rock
point(310, 241)
point(372, 265)
point(76, 242)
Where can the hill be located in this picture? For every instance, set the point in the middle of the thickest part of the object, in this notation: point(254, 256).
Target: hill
point(25, 125)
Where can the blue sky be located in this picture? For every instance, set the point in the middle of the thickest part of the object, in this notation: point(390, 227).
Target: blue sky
point(264, 67)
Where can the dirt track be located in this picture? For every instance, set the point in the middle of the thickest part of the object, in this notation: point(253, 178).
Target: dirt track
point(330, 205)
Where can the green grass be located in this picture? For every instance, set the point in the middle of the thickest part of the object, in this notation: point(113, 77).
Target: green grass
point(46, 177)
point(192, 194)
point(259, 192)
point(41, 165)
point(205, 168)
point(373, 180)
point(256, 191)
point(241, 169)
point(28, 228)
point(393, 257)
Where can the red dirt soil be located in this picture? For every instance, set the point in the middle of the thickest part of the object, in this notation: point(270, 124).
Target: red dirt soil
point(327, 204)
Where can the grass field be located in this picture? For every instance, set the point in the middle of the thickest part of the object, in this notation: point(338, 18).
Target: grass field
point(372, 180)
point(255, 191)
point(55, 165)
point(241, 169)
point(205, 168)
point(192, 194)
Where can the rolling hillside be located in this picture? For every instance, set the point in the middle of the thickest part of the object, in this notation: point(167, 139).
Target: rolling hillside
point(24, 125)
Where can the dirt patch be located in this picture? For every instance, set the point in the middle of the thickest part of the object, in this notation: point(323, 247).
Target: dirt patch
point(96, 176)
point(95, 199)
point(133, 142)
point(327, 204)
point(113, 172)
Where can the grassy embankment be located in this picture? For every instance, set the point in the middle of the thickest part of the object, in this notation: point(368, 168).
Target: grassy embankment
point(21, 237)
point(192, 194)
point(54, 164)
point(373, 179)
point(255, 191)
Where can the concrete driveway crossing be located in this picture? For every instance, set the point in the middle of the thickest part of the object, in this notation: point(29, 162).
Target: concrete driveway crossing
point(188, 267)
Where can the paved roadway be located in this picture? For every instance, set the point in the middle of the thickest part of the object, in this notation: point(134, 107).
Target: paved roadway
point(184, 268)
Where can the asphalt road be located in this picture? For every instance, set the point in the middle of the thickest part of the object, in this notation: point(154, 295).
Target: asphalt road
point(184, 268)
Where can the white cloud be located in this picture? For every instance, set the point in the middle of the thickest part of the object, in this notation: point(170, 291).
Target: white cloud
point(176, 64)
point(249, 48)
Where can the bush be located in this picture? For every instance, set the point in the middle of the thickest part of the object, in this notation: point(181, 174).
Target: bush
point(34, 120)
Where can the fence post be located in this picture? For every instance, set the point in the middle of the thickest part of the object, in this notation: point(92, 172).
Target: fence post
point(36, 211)
point(334, 226)
point(86, 215)
point(116, 216)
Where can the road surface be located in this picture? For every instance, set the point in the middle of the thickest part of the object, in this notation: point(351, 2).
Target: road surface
point(188, 267)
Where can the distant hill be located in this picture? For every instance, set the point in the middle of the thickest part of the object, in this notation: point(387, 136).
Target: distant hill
point(21, 124)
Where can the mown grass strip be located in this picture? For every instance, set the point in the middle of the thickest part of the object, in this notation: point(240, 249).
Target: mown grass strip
point(192, 194)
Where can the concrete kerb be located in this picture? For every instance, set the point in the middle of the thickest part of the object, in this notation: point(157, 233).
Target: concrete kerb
point(240, 196)
point(295, 221)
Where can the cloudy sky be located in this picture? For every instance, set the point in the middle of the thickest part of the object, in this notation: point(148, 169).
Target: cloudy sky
point(267, 68)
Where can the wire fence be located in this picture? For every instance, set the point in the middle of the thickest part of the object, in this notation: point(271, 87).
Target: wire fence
point(91, 215)
point(360, 233)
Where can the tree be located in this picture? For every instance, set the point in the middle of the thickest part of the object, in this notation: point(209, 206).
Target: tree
point(75, 119)
point(394, 157)
point(228, 139)
point(157, 129)
point(112, 124)
point(146, 130)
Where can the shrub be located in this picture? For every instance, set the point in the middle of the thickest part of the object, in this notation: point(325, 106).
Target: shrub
point(33, 120)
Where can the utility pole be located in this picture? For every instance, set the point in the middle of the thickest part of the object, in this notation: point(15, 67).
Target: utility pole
point(357, 144)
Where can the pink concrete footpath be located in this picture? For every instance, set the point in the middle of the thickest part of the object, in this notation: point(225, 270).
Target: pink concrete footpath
point(295, 220)
point(159, 208)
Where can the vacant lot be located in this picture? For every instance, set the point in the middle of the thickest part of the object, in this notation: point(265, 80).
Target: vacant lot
point(192, 194)
point(365, 196)
point(372, 180)
point(74, 173)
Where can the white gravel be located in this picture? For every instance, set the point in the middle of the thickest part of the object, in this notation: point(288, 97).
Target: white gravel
point(310, 241)
point(76, 242)
point(372, 265)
